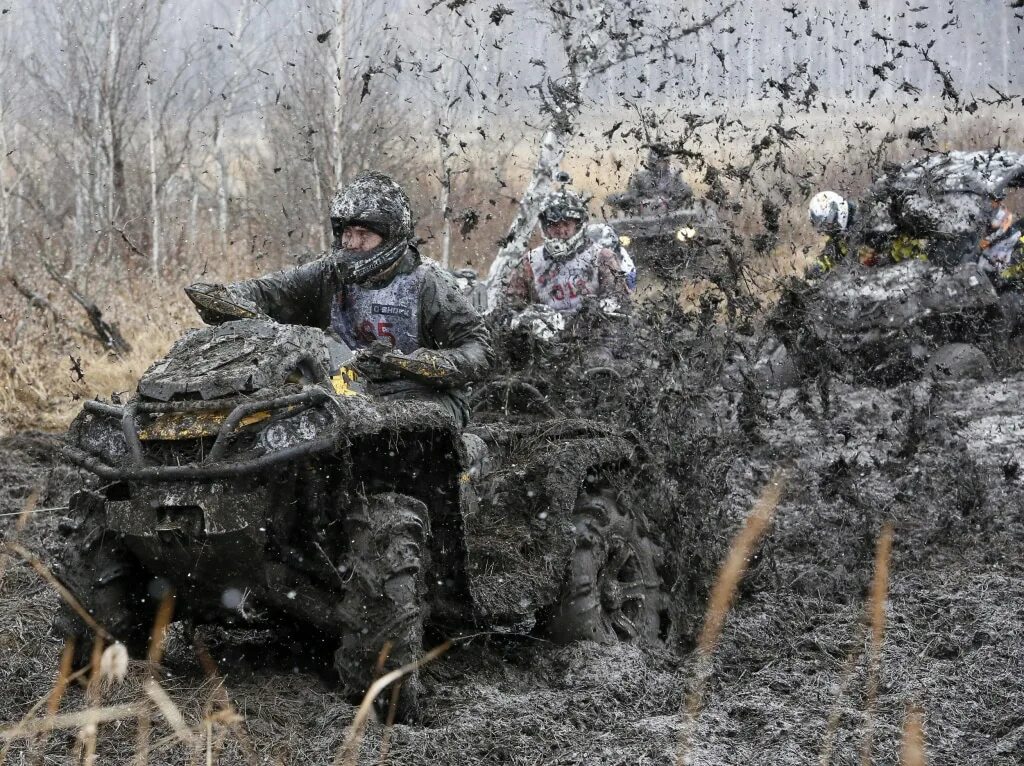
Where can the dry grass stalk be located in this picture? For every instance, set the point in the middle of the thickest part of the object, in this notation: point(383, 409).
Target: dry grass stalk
point(209, 742)
point(87, 736)
point(19, 526)
point(227, 714)
point(45, 700)
point(60, 686)
point(142, 738)
point(912, 752)
point(722, 594)
point(348, 753)
point(396, 690)
point(67, 596)
point(389, 723)
point(157, 635)
point(70, 721)
point(169, 710)
point(876, 609)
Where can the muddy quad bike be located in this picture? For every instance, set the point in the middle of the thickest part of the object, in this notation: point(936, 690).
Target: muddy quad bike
point(936, 308)
point(264, 493)
point(668, 240)
point(894, 323)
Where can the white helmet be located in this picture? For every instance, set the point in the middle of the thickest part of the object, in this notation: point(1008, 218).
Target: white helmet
point(829, 212)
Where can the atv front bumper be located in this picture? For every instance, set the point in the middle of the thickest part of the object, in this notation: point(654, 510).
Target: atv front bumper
point(108, 439)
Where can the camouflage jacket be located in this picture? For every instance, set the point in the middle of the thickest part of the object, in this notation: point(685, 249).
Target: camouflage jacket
point(447, 323)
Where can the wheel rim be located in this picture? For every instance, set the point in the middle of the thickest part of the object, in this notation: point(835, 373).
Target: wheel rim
point(612, 585)
point(623, 590)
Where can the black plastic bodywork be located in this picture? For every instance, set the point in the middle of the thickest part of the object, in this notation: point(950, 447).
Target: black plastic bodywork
point(884, 324)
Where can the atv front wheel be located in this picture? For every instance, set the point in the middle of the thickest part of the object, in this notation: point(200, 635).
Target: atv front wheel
point(386, 565)
point(613, 591)
point(105, 579)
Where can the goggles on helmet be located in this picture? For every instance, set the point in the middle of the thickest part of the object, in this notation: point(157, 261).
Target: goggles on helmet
point(559, 214)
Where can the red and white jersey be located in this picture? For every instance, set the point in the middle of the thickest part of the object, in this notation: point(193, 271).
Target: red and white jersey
point(562, 285)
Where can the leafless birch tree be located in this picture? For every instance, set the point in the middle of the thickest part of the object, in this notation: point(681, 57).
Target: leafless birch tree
point(596, 35)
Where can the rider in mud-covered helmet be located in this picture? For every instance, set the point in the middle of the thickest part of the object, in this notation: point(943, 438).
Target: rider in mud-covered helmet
point(414, 335)
point(372, 203)
point(829, 212)
point(563, 216)
point(570, 267)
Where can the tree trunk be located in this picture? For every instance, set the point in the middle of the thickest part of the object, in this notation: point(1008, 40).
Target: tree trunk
point(321, 211)
point(338, 150)
point(552, 150)
point(154, 259)
point(222, 183)
point(5, 213)
point(446, 213)
point(193, 217)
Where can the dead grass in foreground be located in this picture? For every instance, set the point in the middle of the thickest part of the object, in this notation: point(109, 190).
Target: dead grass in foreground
point(723, 593)
point(108, 667)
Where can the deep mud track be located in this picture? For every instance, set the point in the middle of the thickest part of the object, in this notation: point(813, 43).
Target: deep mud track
point(941, 462)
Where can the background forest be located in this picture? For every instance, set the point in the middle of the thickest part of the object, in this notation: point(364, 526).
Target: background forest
point(148, 143)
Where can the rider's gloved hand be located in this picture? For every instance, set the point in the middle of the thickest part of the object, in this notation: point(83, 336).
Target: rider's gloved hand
point(216, 304)
point(369, 362)
point(425, 365)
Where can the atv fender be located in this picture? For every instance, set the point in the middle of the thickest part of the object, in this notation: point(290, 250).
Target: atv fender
point(520, 537)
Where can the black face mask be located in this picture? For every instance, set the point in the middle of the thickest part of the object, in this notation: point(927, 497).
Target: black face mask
point(360, 265)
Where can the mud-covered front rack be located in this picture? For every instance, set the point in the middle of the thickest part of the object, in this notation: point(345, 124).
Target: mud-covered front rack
point(212, 465)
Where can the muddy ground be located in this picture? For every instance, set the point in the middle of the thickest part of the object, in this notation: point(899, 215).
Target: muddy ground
point(940, 461)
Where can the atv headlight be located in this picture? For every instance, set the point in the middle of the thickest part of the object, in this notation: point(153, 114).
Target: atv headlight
point(625, 240)
point(99, 435)
point(292, 431)
point(686, 233)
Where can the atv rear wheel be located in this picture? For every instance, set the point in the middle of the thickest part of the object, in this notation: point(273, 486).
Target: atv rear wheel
point(613, 591)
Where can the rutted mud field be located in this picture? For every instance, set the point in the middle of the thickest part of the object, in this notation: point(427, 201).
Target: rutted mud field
point(941, 462)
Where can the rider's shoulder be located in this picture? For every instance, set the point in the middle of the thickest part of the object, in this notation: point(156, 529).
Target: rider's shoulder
point(430, 273)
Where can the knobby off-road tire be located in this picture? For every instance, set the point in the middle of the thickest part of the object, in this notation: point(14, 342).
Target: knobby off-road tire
point(106, 581)
point(613, 591)
point(388, 560)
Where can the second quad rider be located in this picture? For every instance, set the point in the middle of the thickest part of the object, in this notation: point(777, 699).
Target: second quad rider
point(416, 335)
point(569, 267)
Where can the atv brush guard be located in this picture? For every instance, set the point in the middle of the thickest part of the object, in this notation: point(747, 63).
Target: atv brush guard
point(213, 464)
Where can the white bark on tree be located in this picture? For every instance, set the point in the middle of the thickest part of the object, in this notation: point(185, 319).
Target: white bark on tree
point(339, 92)
point(154, 200)
point(318, 189)
point(585, 29)
point(219, 153)
point(5, 208)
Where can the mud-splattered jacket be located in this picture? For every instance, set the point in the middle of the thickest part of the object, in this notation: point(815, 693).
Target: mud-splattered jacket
point(595, 271)
point(1002, 249)
point(418, 306)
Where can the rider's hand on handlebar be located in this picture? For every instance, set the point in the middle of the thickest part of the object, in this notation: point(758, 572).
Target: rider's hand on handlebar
point(369, 361)
point(215, 304)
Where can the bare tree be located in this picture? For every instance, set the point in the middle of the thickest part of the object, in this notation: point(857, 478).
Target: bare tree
point(330, 116)
point(596, 36)
point(91, 84)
